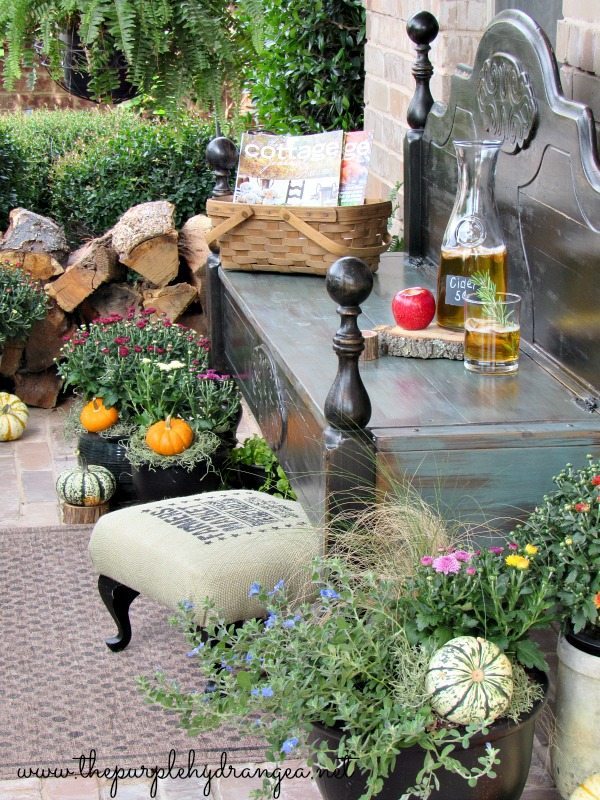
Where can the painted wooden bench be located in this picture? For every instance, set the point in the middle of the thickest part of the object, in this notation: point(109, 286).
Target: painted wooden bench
point(481, 448)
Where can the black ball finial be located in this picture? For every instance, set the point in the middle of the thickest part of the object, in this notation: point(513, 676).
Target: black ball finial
point(349, 281)
point(222, 158)
point(422, 28)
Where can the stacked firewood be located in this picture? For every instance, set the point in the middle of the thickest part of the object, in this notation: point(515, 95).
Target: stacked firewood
point(142, 262)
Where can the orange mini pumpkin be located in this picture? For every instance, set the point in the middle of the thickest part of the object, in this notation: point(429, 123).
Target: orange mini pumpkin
point(169, 437)
point(95, 417)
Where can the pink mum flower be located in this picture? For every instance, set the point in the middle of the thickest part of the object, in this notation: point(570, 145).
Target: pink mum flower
point(462, 555)
point(427, 561)
point(496, 550)
point(446, 564)
point(470, 570)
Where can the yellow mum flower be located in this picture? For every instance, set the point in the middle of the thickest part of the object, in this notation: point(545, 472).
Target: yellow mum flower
point(531, 549)
point(518, 562)
point(568, 540)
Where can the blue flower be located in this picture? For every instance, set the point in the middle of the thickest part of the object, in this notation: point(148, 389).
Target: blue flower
point(195, 651)
point(249, 657)
point(291, 622)
point(254, 691)
point(187, 605)
point(329, 594)
point(289, 745)
point(266, 691)
point(270, 620)
point(254, 589)
point(277, 588)
point(225, 666)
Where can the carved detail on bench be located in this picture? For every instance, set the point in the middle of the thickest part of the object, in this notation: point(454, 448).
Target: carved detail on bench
point(505, 99)
point(269, 399)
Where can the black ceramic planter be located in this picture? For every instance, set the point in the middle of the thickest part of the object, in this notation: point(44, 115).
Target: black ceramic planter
point(161, 484)
point(587, 640)
point(247, 476)
point(110, 452)
point(514, 742)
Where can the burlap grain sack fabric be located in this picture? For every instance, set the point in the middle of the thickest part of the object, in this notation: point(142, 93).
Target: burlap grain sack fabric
point(213, 545)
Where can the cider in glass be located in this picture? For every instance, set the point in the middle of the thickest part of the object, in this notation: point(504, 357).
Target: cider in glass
point(455, 281)
point(492, 334)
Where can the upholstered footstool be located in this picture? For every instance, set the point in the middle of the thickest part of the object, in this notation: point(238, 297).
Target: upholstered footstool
point(212, 545)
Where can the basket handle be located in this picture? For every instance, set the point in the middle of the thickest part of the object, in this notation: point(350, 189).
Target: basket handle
point(334, 247)
point(243, 213)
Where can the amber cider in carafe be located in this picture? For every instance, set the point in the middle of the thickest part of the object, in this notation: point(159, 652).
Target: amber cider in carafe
point(473, 240)
point(454, 280)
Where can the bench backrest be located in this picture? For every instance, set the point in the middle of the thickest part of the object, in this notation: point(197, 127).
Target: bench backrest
point(547, 188)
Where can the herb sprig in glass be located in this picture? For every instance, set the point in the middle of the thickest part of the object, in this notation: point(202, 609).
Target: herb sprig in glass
point(487, 293)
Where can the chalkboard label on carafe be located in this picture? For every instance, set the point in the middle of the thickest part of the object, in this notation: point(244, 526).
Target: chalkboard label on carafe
point(457, 288)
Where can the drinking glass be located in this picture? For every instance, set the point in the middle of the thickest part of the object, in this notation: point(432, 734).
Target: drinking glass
point(492, 334)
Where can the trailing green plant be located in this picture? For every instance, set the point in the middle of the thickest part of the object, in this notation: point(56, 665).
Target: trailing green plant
point(343, 661)
point(22, 302)
point(168, 49)
point(255, 451)
point(309, 73)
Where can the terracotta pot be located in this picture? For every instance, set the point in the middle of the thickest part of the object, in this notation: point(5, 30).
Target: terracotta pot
point(514, 742)
point(576, 740)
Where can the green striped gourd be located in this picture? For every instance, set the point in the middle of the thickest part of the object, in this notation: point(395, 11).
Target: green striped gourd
point(469, 680)
point(86, 486)
point(13, 417)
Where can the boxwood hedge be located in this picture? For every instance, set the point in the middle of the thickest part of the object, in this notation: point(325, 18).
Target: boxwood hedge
point(85, 169)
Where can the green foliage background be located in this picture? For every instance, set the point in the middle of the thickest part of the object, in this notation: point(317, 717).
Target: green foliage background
point(309, 73)
point(85, 169)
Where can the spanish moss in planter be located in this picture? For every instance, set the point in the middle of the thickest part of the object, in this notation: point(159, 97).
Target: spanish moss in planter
point(157, 476)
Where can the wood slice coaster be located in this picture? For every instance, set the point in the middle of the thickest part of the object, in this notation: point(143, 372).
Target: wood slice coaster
point(431, 342)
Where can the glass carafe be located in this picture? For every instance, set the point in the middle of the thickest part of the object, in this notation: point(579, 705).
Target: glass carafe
point(473, 239)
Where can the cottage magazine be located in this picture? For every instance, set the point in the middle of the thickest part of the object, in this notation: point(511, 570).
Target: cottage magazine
point(289, 170)
point(355, 167)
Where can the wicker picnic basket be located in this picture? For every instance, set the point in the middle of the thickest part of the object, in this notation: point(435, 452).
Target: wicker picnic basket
point(297, 238)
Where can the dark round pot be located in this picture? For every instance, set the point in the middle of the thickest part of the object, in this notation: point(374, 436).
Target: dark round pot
point(587, 640)
point(161, 484)
point(110, 452)
point(247, 476)
point(514, 742)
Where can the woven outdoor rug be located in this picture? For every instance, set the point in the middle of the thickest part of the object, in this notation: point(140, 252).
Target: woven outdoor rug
point(62, 691)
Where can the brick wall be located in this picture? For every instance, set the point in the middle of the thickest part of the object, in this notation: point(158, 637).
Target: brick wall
point(45, 94)
point(578, 47)
point(389, 84)
point(389, 56)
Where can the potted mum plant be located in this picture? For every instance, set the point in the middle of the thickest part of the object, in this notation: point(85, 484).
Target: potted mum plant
point(134, 371)
point(187, 420)
point(22, 303)
point(567, 525)
point(390, 690)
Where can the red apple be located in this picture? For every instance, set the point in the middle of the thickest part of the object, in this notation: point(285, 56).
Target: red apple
point(413, 308)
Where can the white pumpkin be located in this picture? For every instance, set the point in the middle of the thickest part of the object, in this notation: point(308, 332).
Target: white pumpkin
point(589, 789)
point(469, 680)
point(13, 417)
